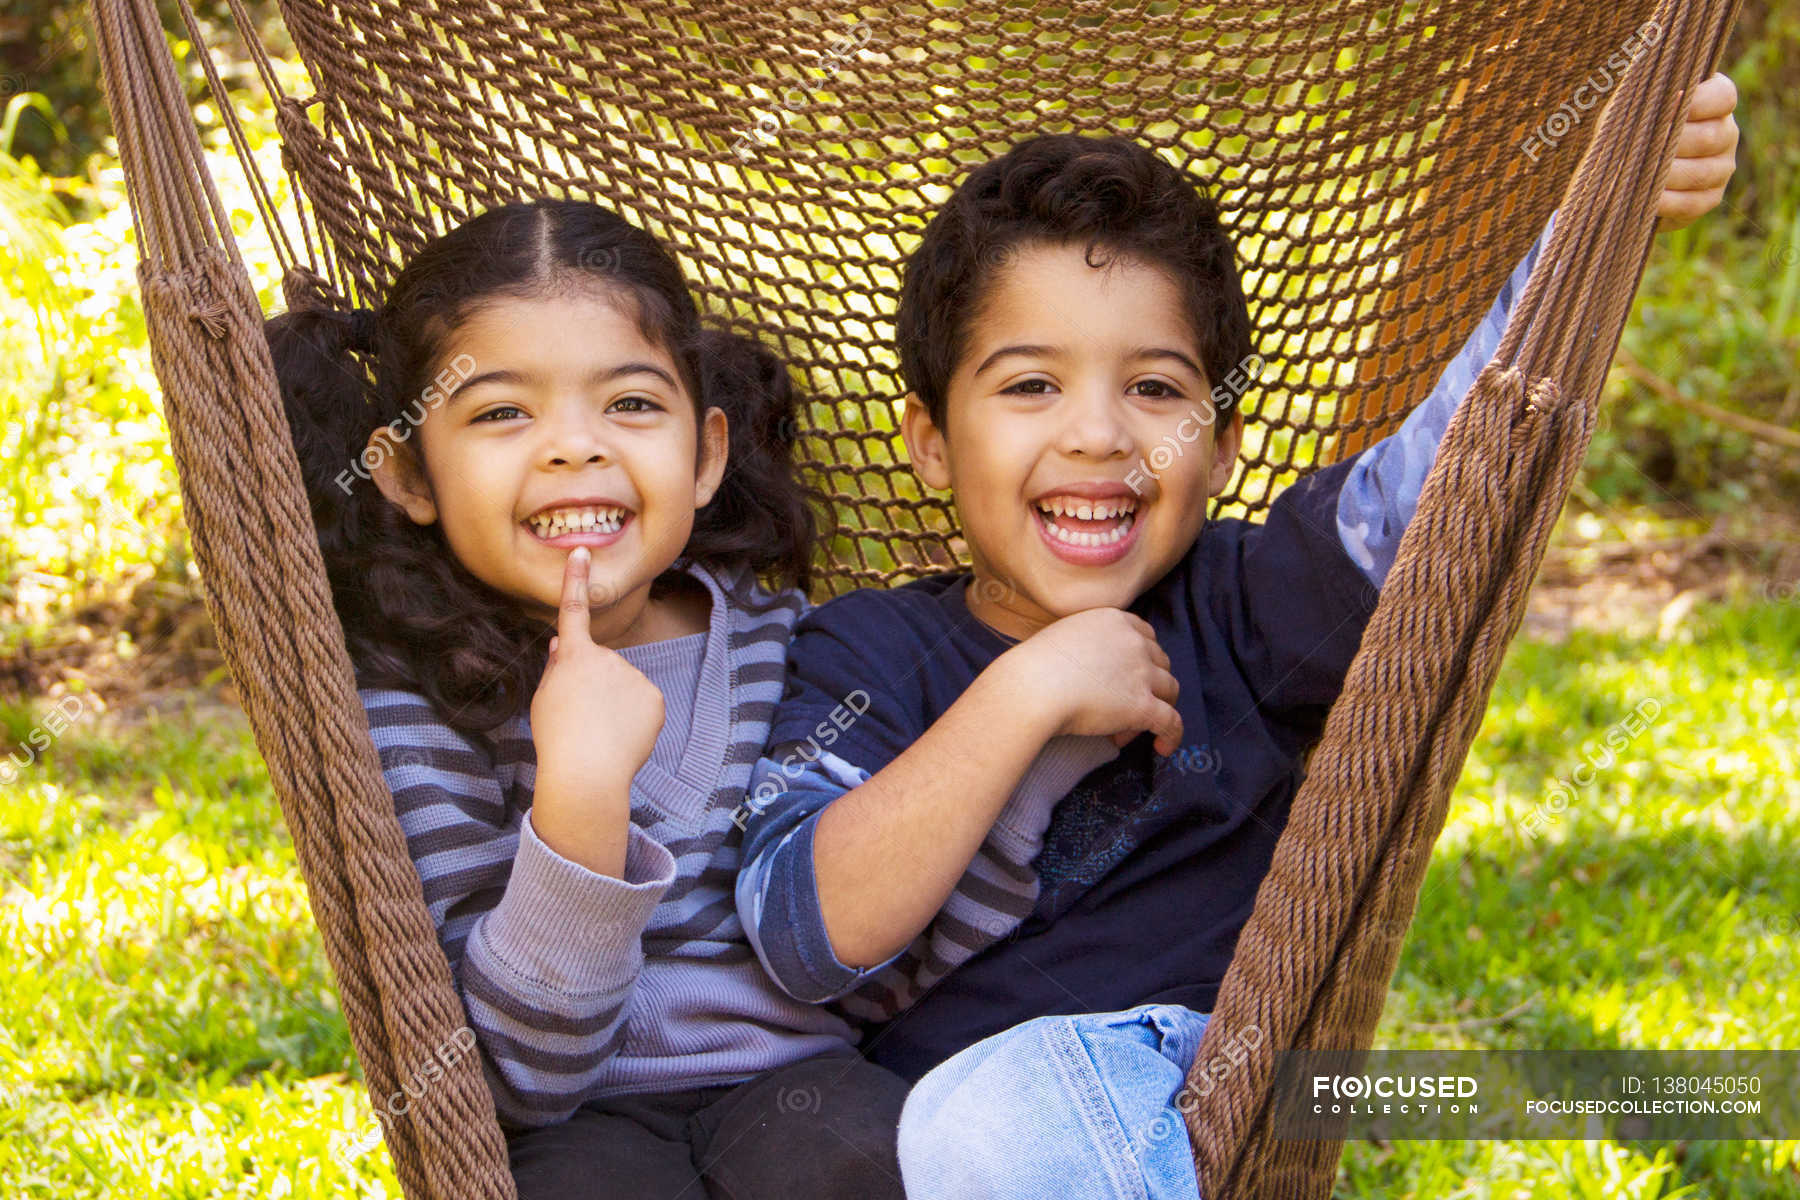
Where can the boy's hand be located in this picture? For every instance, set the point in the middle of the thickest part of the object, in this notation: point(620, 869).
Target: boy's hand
point(1107, 676)
point(1705, 158)
point(594, 720)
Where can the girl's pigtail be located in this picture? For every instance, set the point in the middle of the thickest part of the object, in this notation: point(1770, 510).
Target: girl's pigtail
point(325, 394)
point(762, 515)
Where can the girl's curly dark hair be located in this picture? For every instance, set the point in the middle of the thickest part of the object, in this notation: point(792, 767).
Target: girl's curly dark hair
point(413, 617)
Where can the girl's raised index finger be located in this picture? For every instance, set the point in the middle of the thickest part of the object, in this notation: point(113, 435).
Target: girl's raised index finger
point(572, 614)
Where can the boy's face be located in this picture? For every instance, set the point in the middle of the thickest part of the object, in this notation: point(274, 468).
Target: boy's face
point(1080, 439)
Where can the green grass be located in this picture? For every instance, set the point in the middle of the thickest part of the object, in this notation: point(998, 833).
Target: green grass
point(169, 1026)
point(1655, 907)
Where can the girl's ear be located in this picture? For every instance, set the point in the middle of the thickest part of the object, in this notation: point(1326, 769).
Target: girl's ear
point(1228, 439)
point(398, 475)
point(715, 433)
point(924, 443)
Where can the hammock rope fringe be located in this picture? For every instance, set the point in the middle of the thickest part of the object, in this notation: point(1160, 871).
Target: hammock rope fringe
point(1370, 164)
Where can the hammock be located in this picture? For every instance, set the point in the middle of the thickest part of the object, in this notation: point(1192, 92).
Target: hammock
point(1383, 164)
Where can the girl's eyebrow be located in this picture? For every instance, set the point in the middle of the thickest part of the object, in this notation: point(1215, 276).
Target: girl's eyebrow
point(1015, 352)
point(599, 375)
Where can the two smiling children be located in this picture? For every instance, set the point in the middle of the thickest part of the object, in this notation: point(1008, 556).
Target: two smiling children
point(1003, 831)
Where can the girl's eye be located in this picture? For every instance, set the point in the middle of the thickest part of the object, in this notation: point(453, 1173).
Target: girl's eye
point(1028, 387)
point(495, 414)
point(635, 404)
point(1158, 389)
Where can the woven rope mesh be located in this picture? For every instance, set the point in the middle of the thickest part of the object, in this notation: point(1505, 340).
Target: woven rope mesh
point(1371, 158)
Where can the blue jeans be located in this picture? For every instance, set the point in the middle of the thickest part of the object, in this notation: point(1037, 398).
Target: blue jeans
point(1066, 1107)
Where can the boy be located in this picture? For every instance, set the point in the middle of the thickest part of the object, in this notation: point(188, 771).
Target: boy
point(957, 796)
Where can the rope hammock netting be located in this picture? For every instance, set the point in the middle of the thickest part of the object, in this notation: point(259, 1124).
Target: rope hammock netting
point(1382, 165)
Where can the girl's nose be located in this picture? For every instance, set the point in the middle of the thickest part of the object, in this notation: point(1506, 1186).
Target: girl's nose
point(576, 438)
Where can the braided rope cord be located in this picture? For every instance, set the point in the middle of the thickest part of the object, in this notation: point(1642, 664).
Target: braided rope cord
point(1371, 158)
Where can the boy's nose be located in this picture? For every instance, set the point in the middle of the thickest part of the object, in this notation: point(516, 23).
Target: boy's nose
point(1093, 426)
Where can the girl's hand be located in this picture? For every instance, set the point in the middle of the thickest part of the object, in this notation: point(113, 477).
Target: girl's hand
point(1705, 158)
point(594, 720)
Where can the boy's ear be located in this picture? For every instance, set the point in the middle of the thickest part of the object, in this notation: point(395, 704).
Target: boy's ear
point(924, 443)
point(715, 443)
point(398, 475)
point(1228, 439)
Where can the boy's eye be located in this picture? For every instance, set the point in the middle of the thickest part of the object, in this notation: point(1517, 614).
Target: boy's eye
point(1160, 389)
point(1029, 387)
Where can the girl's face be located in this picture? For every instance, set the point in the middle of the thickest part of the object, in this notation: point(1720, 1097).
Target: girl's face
point(571, 429)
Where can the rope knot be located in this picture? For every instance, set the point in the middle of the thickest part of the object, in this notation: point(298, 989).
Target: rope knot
point(213, 315)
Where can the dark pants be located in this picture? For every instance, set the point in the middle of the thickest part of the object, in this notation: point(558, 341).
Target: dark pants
point(813, 1130)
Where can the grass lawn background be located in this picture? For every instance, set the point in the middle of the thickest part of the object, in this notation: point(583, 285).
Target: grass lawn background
point(169, 1026)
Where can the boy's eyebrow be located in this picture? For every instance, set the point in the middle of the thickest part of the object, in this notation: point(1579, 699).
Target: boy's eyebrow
point(1150, 352)
point(599, 375)
point(1166, 352)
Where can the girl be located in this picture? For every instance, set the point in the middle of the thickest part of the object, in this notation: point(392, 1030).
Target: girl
point(544, 531)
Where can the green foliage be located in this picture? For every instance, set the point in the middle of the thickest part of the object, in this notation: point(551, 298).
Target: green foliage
point(169, 1027)
point(49, 50)
point(1718, 315)
point(89, 501)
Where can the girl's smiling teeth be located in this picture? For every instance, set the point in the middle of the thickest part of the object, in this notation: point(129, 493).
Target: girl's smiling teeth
point(554, 522)
point(1075, 521)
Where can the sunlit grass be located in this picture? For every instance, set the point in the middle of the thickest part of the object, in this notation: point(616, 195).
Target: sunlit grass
point(1651, 904)
point(170, 1029)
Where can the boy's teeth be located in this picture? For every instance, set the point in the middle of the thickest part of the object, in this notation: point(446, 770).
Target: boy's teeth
point(578, 520)
point(1088, 510)
point(1082, 538)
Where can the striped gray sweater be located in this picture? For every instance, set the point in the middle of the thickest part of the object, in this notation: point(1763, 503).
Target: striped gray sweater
point(579, 985)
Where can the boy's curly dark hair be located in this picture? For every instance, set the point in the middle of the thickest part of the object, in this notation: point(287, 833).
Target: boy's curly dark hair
point(1112, 194)
point(413, 617)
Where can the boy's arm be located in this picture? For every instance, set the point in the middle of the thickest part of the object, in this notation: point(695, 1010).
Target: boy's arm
point(778, 897)
point(885, 853)
point(1381, 491)
point(544, 952)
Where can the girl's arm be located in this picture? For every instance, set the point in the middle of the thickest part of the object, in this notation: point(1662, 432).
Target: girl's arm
point(545, 953)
